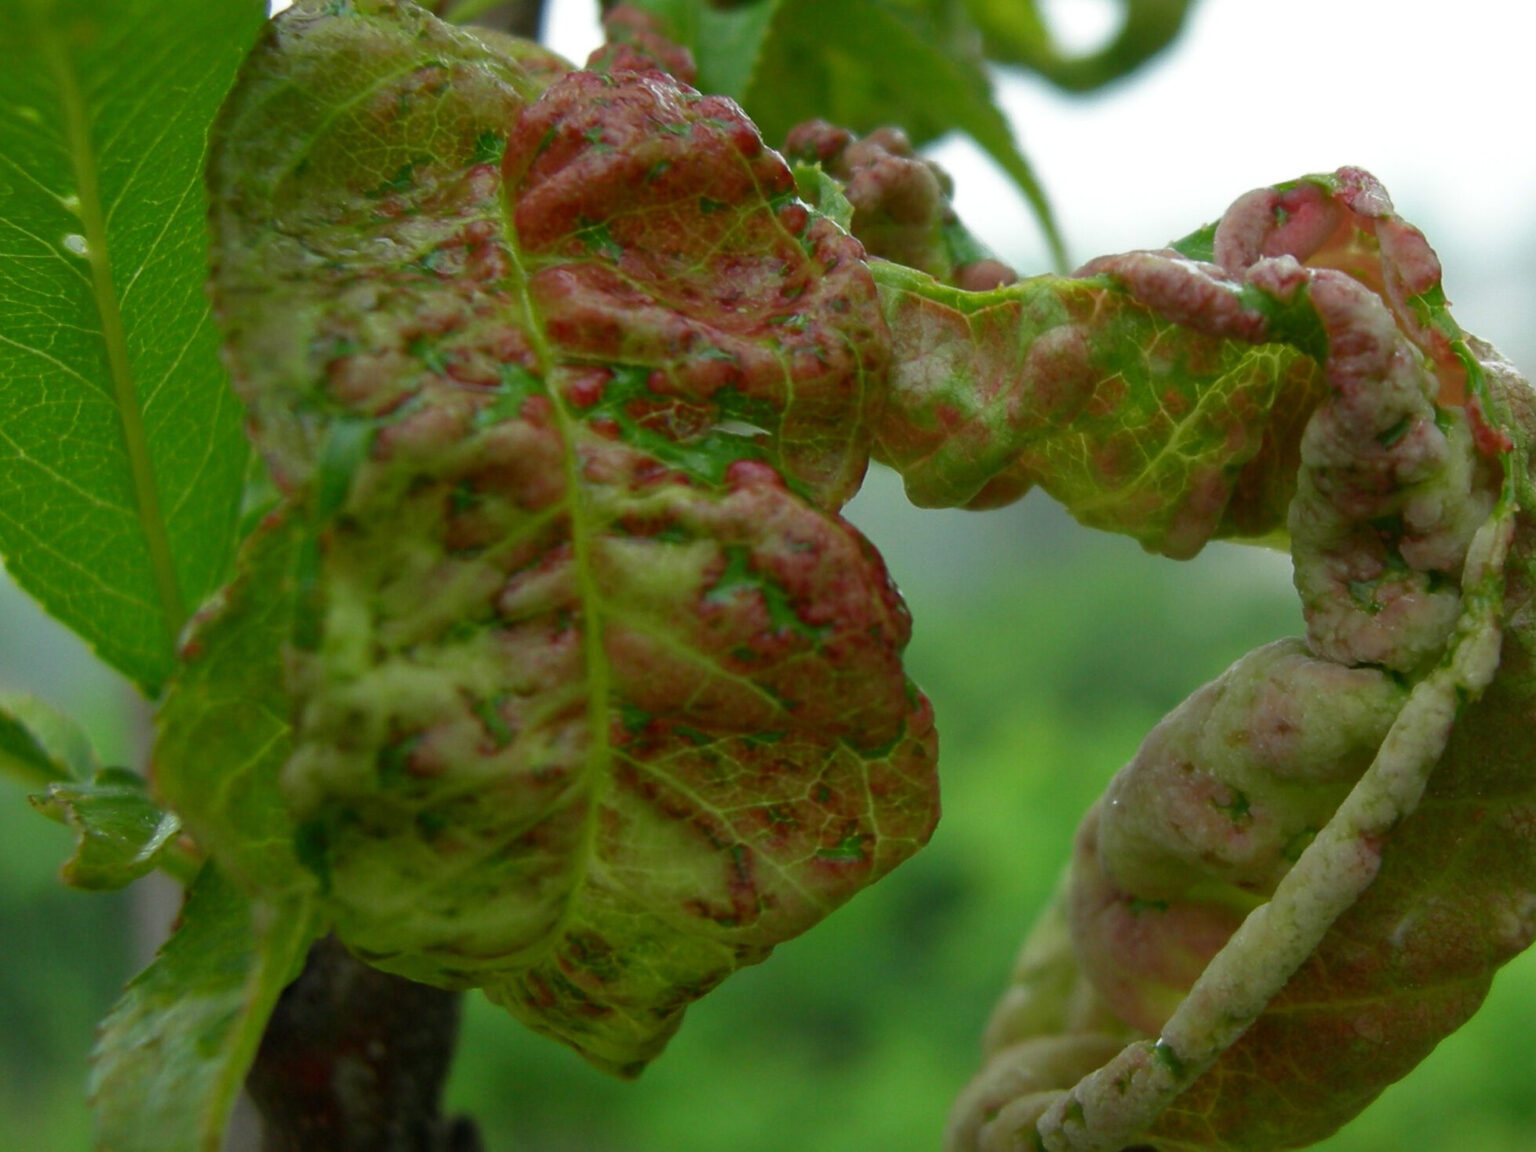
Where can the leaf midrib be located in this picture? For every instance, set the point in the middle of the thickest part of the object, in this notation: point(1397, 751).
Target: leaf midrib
point(145, 494)
point(599, 762)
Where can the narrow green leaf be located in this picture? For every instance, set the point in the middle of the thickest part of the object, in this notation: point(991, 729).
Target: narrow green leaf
point(176, 1047)
point(120, 833)
point(121, 456)
point(39, 744)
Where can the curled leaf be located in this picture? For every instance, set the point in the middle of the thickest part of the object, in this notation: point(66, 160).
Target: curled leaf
point(862, 63)
point(596, 697)
point(1277, 892)
point(897, 204)
point(1134, 422)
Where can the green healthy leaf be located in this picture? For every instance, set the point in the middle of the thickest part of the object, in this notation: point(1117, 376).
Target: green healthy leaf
point(863, 64)
point(39, 744)
point(595, 697)
point(120, 451)
point(120, 834)
point(174, 1050)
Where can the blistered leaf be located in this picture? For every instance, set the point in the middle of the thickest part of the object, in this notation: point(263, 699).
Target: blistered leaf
point(120, 834)
point(1262, 894)
point(1133, 422)
point(596, 698)
point(173, 1051)
point(39, 744)
point(895, 203)
point(121, 458)
point(863, 64)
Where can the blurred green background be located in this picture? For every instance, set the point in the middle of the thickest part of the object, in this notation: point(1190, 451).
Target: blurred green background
point(1048, 652)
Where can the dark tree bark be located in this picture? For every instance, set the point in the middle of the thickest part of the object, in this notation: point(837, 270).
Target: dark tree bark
point(354, 1060)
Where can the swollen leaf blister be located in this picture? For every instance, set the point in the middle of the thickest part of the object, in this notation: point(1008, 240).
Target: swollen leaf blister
point(1310, 871)
point(595, 697)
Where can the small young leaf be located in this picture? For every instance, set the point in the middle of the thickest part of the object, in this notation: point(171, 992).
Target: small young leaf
point(120, 834)
point(121, 459)
point(175, 1048)
point(39, 744)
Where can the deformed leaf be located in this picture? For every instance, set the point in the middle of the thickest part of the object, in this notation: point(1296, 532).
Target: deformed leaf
point(120, 833)
point(596, 697)
point(863, 64)
point(121, 458)
point(1133, 422)
point(1311, 870)
point(174, 1050)
point(895, 203)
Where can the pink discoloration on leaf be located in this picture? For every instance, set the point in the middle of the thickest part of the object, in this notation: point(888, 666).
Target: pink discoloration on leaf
point(595, 696)
point(1135, 417)
point(1401, 498)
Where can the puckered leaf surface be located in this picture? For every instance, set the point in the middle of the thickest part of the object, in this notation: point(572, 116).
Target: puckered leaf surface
point(1262, 894)
point(120, 450)
point(864, 64)
point(596, 697)
point(1135, 423)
